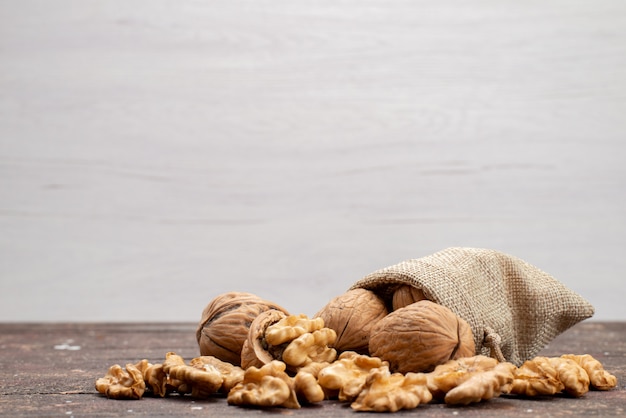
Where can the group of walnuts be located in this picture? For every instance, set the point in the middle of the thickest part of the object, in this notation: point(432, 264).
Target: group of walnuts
point(355, 350)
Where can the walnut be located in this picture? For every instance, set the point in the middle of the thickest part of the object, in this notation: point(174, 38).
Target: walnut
point(199, 382)
point(293, 339)
point(154, 377)
point(314, 368)
point(387, 392)
point(267, 386)
point(406, 295)
point(573, 374)
point(470, 379)
point(536, 377)
point(225, 321)
point(311, 347)
point(120, 384)
point(421, 336)
point(313, 394)
point(352, 315)
point(256, 351)
point(202, 377)
point(574, 378)
point(232, 374)
point(569, 373)
point(307, 388)
point(347, 375)
point(291, 327)
point(599, 378)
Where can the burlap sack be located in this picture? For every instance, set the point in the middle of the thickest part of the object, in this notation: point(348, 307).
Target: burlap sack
point(514, 308)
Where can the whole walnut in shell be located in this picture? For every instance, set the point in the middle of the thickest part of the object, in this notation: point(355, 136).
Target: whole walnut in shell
point(225, 322)
point(352, 315)
point(421, 336)
point(406, 295)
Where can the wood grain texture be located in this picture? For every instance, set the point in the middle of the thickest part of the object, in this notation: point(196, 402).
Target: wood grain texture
point(290, 148)
point(50, 369)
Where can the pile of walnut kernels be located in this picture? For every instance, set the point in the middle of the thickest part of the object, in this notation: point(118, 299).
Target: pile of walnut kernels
point(354, 350)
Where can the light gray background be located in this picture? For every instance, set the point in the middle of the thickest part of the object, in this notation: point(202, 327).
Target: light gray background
point(154, 154)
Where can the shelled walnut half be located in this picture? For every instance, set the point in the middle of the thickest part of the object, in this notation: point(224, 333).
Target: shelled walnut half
point(122, 384)
point(599, 378)
point(199, 382)
point(470, 379)
point(266, 386)
point(346, 376)
point(231, 374)
point(406, 295)
point(572, 374)
point(384, 391)
point(536, 377)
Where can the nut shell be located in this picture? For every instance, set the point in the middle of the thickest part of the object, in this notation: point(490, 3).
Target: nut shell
point(225, 322)
point(352, 315)
point(406, 295)
point(421, 336)
point(256, 351)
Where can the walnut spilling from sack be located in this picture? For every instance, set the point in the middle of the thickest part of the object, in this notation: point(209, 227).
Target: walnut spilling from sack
point(419, 352)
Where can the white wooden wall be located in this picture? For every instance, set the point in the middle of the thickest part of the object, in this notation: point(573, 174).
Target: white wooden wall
point(154, 154)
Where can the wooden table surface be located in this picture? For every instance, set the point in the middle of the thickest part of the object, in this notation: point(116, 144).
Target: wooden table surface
point(50, 370)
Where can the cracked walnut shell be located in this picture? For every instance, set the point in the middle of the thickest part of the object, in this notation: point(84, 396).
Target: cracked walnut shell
point(256, 351)
point(225, 322)
point(294, 339)
point(421, 336)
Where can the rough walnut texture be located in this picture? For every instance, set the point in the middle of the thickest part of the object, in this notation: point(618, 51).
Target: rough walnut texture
point(406, 295)
point(420, 336)
point(256, 351)
point(225, 323)
point(352, 315)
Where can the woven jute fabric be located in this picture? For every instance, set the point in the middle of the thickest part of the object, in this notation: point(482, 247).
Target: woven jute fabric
point(502, 297)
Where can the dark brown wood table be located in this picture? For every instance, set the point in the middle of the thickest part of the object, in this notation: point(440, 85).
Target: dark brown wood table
point(50, 370)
